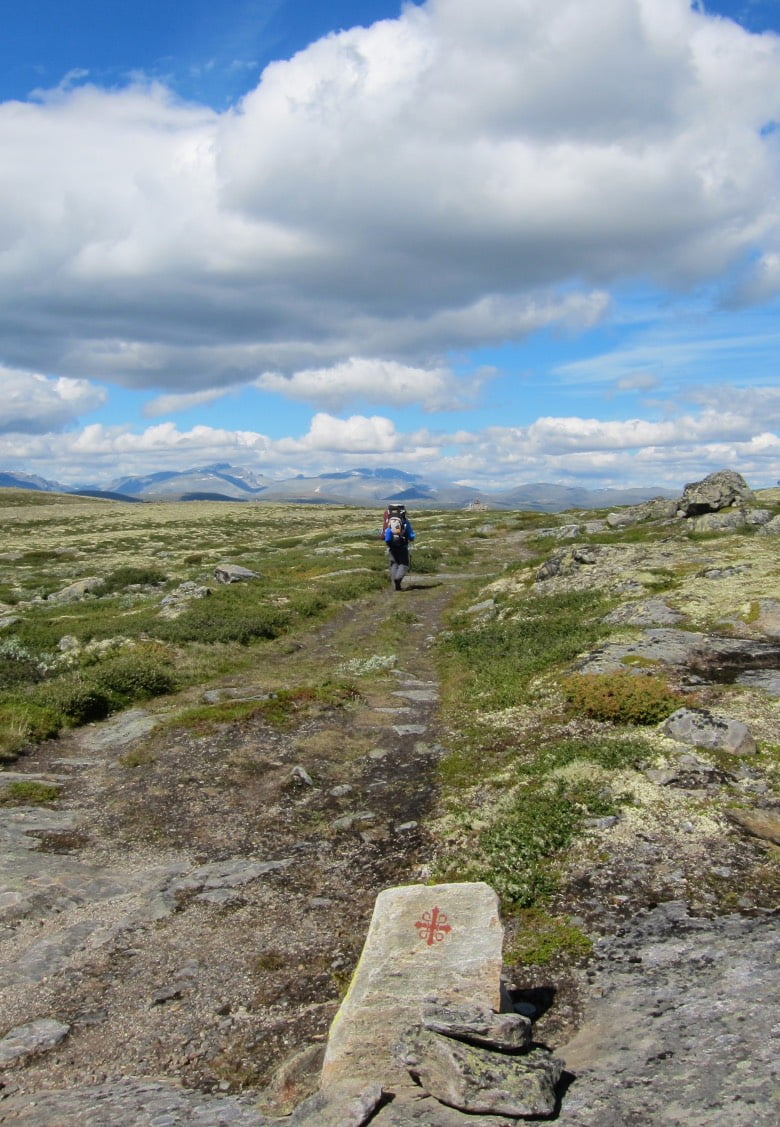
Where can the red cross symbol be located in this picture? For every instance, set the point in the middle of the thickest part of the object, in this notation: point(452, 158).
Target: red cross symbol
point(433, 927)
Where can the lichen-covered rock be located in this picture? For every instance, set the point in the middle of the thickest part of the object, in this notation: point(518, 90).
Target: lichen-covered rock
point(764, 824)
point(730, 521)
point(702, 728)
point(658, 509)
point(714, 492)
point(474, 1079)
point(566, 561)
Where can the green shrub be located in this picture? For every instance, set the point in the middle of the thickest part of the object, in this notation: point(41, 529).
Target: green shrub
point(426, 561)
point(607, 752)
point(621, 698)
point(28, 793)
point(308, 604)
point(78, 701)
point(131, 677)
point(17, 665)
point(519, 852)
point(129, 576)
point(223, 619)
point(344, 589)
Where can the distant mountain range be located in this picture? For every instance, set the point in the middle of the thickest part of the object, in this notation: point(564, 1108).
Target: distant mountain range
point(363, 487)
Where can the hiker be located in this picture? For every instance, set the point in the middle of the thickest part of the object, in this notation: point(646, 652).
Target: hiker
point(397, 535)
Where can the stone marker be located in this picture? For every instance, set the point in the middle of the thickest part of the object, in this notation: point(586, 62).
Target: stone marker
point(425, 943)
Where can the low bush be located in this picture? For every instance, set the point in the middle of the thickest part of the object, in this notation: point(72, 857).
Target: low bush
point(519, 852)
point(426, 561)
point(223, 619)
point(17, 665)
point(621, 698)
point(497, 659)
point(613, 754)
point(134, 676)
point(129, 576)
point(28, 793)
point(76, 700)
point(308, 604)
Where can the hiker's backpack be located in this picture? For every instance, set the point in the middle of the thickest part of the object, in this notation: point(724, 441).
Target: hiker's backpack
point(395, 513)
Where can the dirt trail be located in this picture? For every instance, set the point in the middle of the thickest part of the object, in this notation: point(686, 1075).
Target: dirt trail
point(194, 906)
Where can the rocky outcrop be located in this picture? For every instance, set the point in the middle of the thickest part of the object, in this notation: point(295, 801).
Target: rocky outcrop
point(715, 492)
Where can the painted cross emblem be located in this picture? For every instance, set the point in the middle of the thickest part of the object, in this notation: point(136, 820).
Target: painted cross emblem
point(433, 926)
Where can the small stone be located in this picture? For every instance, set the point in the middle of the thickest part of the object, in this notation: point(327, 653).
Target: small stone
point(301, 775)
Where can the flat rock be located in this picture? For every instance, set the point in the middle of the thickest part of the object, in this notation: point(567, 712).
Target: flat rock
point(424, 943)
point(123, 729)
point(677, 1027)
point(646, 612)
point(233, 573)
point(503, 1032)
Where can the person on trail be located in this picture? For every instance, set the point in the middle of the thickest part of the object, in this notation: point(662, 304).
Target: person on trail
point(398, 535)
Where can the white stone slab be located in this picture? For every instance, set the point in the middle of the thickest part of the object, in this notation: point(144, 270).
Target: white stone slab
point(424, 942)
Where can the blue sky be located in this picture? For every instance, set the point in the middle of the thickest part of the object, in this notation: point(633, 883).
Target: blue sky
point(497, 241)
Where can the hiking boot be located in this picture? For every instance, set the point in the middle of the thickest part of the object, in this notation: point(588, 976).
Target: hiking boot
point(398, 584)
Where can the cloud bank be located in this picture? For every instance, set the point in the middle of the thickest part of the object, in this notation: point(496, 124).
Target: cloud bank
point(459, 177)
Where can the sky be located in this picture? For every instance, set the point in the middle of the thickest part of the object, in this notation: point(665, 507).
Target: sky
point(487, 241)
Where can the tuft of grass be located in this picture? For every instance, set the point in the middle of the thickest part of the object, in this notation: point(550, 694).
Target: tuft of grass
point(280, 710)
point(621, 698)
point(28, 793)
point(541, 939)
point(24, 722)
point(137, 757)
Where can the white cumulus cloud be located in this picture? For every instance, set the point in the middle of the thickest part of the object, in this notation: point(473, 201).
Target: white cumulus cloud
point(374, 381)
point(31, 403)
point(459, 176)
